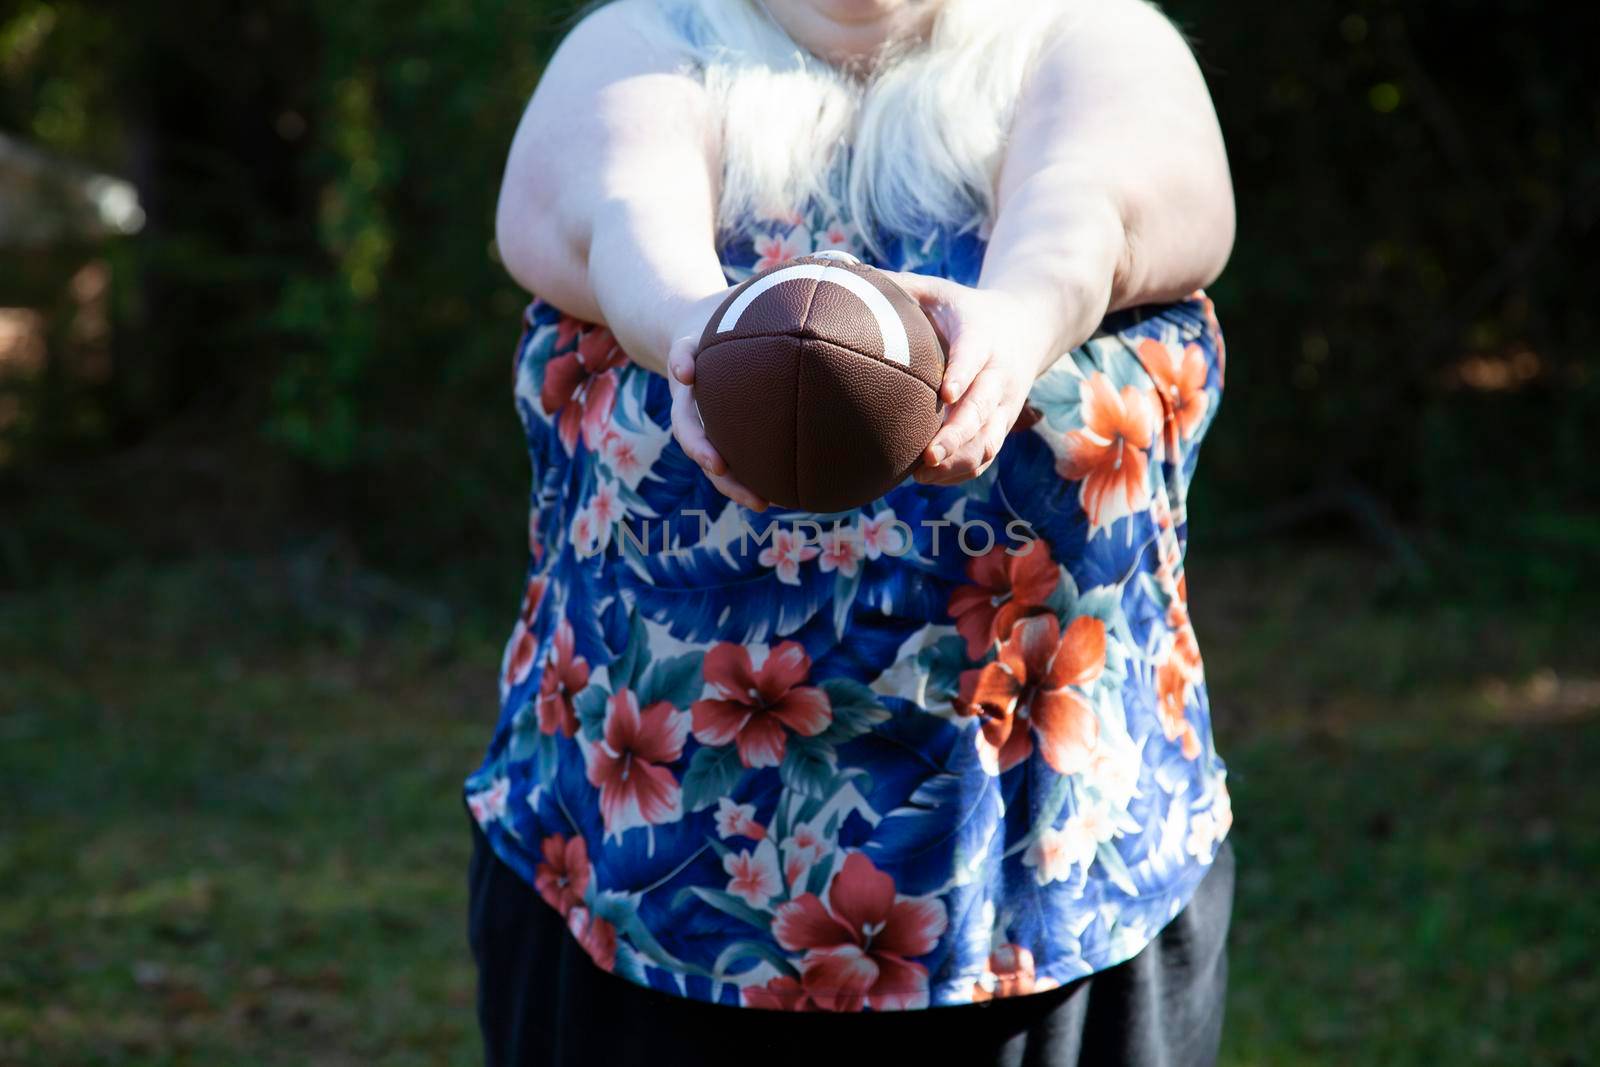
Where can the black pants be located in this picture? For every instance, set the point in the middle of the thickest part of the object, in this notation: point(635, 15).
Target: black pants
point(542, 1003)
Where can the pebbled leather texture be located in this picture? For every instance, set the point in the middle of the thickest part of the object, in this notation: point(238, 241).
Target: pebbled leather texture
point(847, 401)
point(802, 397)
point(746, 389)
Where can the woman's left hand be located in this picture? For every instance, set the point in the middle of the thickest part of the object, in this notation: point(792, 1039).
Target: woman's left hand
point(998, 343)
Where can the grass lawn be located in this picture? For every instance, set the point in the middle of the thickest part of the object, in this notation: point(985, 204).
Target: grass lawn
point(230, 832)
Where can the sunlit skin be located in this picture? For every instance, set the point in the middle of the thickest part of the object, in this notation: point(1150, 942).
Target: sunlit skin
point(1114, 192)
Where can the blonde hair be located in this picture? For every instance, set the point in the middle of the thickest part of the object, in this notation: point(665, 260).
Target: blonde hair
point(917, 142)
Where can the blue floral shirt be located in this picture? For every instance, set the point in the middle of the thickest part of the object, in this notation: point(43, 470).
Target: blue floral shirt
point(950, 746)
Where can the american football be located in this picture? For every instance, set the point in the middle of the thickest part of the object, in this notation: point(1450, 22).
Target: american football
point(817, 380)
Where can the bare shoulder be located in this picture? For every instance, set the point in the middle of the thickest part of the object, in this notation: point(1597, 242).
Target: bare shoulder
point(622, 99)
point(1127, 34)
point(619, 117)
point(621, 62)
point(618, 40)
point(1103, 63)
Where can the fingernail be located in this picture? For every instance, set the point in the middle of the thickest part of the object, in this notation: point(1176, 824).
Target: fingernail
point(936, 453)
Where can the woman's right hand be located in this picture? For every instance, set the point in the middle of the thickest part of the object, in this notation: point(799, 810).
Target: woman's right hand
point(686, 424)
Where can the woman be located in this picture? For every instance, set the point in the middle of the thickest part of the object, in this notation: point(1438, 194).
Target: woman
point(883, 770)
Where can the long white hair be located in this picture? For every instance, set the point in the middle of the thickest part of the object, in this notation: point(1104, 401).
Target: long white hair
point(916, 141)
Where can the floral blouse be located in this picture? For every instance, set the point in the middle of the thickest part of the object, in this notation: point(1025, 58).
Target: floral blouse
point(950, 746)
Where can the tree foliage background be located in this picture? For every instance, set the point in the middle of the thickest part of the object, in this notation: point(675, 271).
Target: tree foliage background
point(311, 332)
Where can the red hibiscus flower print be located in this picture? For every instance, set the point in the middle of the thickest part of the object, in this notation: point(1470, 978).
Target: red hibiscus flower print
point(532, 597)
point(774, 249)
point(535, 543)
point(1180, 377)
point(563, 877)
point(884, 535)
point(567, 330)
point(597, 936)
point(1172, 693)
point(1057, 853)
point(859, 945)
point(801, 850)
point(581, 385)
point(779, 994)
point(564, 677)
point(738, 820)
point(841, 551)
point(592, 524)
point(1026, 692)
point(586, 533)
point(835, 235)
point(1186, 647)
point(784, 555)
point(627, 766)
point(1004, 589)
point(606, 503)
point(753, 876)
point(757, 709)
point(1161, 515)
point(522, 646)
point(622, 457)
point(1174, 585)
point(520, 653)
point(1010, 974)
point(1109, 454)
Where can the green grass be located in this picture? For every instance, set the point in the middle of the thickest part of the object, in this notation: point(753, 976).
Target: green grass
point(230, 830)
point(1418, 819)
point(232, 836)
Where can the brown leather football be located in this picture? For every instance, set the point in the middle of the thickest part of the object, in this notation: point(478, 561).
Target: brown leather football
point(818, 381)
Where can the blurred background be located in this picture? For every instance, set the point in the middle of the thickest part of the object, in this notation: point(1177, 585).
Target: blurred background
point(262, 524)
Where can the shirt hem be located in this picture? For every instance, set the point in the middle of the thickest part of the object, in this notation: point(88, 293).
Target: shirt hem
point(948, 993)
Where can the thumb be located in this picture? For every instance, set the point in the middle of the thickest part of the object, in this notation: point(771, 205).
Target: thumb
point(926, 289)
point(936, 297)
point(680, 359)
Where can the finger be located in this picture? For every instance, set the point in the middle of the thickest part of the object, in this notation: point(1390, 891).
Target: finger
point(990, 443)
point(967, 419)
point(966, 461)
point(691, 432)
point(923, 288)
point(963, 364)
point(935, 476)
point(971, 460)
point(680, 360)
point(954, 473)
point(936, 297)
point(981, 452)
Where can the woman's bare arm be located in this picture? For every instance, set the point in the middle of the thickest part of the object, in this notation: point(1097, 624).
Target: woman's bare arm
point(1114, 192)
point(607, 209)
point(1115, 189)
